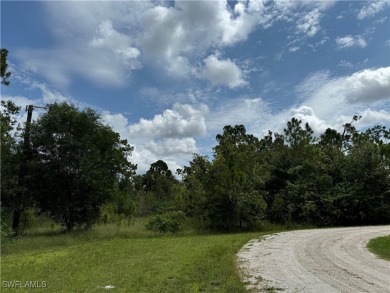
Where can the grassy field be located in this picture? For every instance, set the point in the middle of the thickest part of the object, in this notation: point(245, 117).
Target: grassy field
point(380, 246)
point(127, 257)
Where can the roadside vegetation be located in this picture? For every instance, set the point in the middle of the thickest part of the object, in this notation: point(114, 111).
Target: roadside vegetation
point(127, 257)
point(380, 246)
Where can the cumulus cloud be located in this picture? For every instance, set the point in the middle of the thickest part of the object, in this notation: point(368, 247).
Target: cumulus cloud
point(176, 36)
point(173, 146)
point(224, 72)
point(190, 25)
point(372, 8)
point(180, 121)
point(108, 38)
point(169, 136)
point(373, 117)
point(332, 97)
point(307, 115)
point(118, 122)
point(326, 94)
point(84, 32)
point(325, 102)
point(351, 41)
point(257, 117)
point(366, 86)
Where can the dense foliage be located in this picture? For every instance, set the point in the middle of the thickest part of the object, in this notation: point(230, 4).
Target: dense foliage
point(4, 73)
point(76, 163)
point(10, 150)
point(169, 222)
point(76, 170)
point(336, 179)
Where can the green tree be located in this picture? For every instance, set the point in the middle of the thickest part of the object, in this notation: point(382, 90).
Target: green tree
point(76, 164)
point(197, 179)
point(4, 73)
point(235, 196)
point(155, 189)
point(159, 180)
point(291, 161)
point(10, 155)
point(367, 181)
point(10, 150)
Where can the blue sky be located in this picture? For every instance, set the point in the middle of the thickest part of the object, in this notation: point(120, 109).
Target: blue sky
point(168, 75)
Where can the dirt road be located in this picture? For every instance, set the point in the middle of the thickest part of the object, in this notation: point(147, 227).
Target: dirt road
point(320, 260)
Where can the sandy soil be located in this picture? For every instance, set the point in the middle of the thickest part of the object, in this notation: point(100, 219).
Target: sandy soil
point(320, 260)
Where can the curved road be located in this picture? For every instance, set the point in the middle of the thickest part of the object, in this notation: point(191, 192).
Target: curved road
point(320, 260)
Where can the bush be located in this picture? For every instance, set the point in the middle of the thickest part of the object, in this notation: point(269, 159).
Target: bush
point(28, 218)
point(169, 222)
point(108, 213)
point(6, 233)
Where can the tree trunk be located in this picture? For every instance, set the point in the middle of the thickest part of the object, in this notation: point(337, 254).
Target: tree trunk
point(16, 220)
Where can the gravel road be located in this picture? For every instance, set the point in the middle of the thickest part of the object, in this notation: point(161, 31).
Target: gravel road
point(319, 260)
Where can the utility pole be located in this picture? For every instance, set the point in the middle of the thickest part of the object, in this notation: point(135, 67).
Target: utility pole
point(26, 155)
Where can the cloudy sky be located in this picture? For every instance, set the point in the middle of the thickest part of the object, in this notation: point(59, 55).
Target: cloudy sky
point(168, 75)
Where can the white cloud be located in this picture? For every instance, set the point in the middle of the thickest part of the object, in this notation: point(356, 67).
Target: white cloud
point(180, 121)
point(307, 115)
point(325, 102)
point(60, 65)
point(345, 64)
point(47, 94)
point(169, 136)
point(309, 24)
point(253, 113)
point(293, 49)
point(366, 86)
point(326, 94)
point(312, 83)
point(257, 117)
point(351, 41)
point(87, 44)
point(332, 98)
point(176, 36)
point(372, 8)
point(19, 101)
point(120, 44)
point(373, 117)
point(118, 122)
point(381, 20)
point(173, 146)
point(23, 103)
point(224, 72)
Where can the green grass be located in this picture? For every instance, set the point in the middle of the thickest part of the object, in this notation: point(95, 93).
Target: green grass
point(380, 246)
point(127, 257)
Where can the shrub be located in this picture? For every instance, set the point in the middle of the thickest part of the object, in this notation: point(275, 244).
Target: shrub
point(6, 233)
point(169, 222)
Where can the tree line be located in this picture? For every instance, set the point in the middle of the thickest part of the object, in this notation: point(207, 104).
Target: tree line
point(333, 180)
point(69, 166)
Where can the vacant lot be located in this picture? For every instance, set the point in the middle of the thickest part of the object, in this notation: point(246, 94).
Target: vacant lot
point(128, 258)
